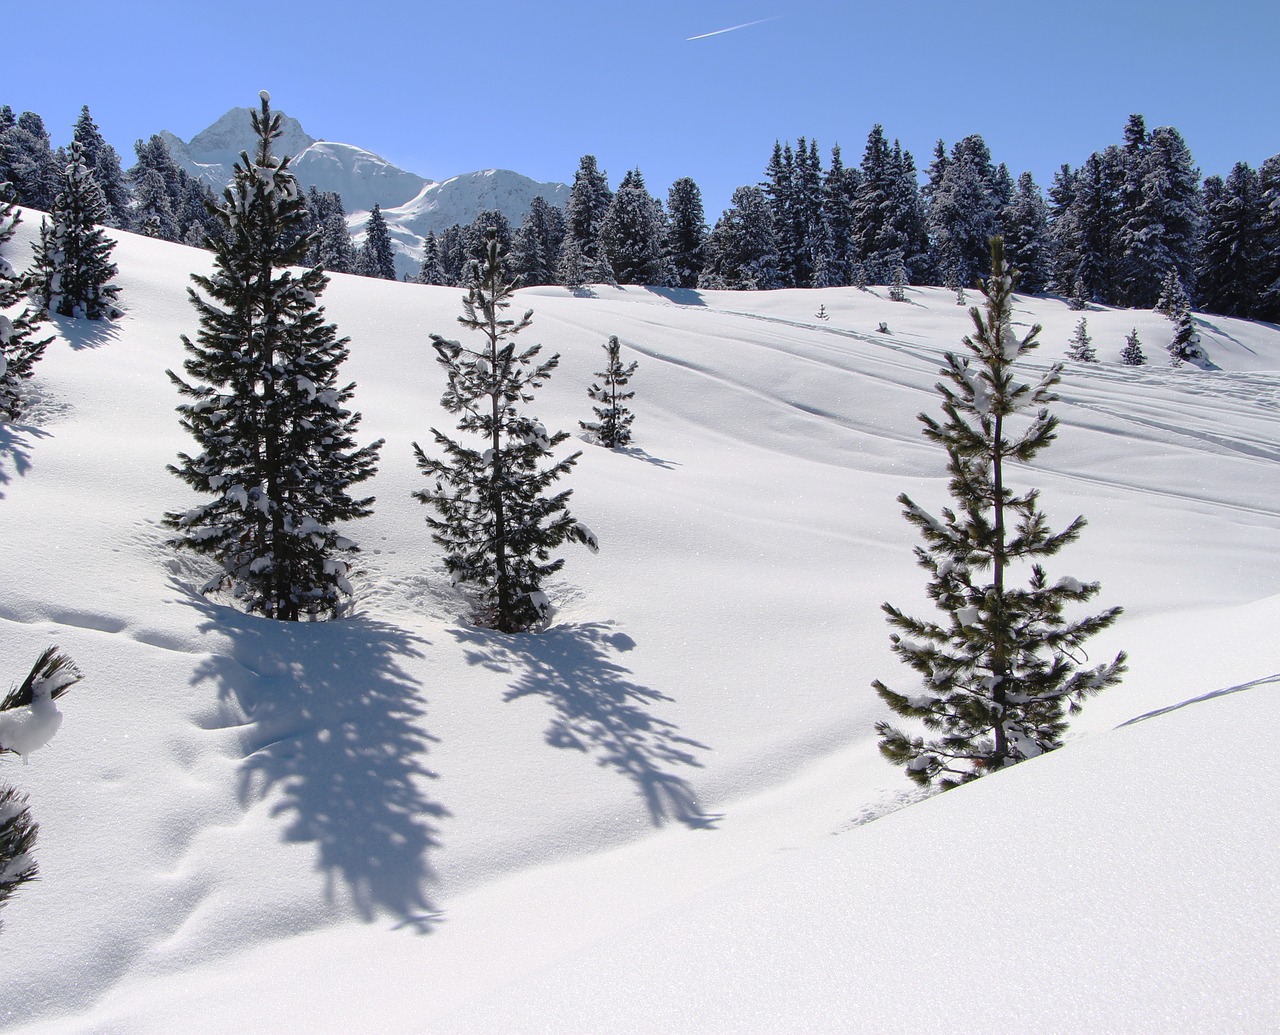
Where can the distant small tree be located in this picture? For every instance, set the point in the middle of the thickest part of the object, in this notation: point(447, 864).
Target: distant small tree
point(1173, 300)
point(432, 270)
point(495, 517)
point(20, 344)
point(73, 267)
point(999, 670)
point(898, 284)
point(1079, 299)
point(1132, 354)
point(612, 426)
point(376, 259)
point(1185, 346)
point(1080, 348)
point(28, 719)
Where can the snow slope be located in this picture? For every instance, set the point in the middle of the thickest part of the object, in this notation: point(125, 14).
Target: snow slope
point(654, 815)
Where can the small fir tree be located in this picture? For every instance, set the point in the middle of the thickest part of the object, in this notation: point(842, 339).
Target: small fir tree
point(1173, 301)
point(376, 258)
point(999, 669)
point(28, 719)
point(1079, 300)
point(612, 426)
point(1080, 348)
point(1185, 346)
point(1132, 355)
point(266, 407)
point(73, 266)
point(495, 515)
point(20, 319)
point(898, 285)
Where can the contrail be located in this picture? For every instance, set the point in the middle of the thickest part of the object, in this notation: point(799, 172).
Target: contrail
point(732, 28)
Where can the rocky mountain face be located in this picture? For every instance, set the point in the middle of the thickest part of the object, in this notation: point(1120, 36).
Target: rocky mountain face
point(412, 205)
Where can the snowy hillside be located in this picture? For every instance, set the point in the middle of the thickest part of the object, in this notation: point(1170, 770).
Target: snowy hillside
point(656, 815)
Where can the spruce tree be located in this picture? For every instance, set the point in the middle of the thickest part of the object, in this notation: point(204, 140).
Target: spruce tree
point(1080, 347)
point(73, 266)
point(494, 513)
point(104, 162)
point(432, 270)
point(687, 233)
point(1185, 346)
point(1132, 355)
point(589, 199)
point(612, 426)
point(266, 406)
point(28, 718)
point(1026, 234)
point(633, 233)
point(376, 258)
point(1229, 279)
point(20, 344)
point(999, 669)
point(742, 251)
point(1173, 301)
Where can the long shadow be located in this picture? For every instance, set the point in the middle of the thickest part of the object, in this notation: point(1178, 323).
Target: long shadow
point(336, 737)
point(648, 458)
point(680, 296)
point(599, 709)
point(15, 450)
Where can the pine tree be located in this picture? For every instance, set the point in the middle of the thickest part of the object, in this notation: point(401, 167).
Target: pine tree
point(104, 162)
point(898, 283)
point(1132, 354)
point(589, 199)
point(999, 669)
point(633, 234)
point(496, 520)
point(536, 245)
point(266, 407)
point(1079, 300)
point(1173, 301)
point(1185, 346)
point(687, 233)
point(1268, 276)
point(964, 211)
point(742, 251)
point(73, 266)
point(376, 259)
point(1229, 278)
point(1080, 348)
point(571, 270)
point(612, 426)
point(28, 718)
point(431, 271)
point(27, 160)
point(20, 344)
point(1026, 234)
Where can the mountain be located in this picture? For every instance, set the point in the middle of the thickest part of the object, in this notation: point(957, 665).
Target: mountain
point(411, 204)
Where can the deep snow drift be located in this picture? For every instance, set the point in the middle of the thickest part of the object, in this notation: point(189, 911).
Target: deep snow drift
point(654, 815)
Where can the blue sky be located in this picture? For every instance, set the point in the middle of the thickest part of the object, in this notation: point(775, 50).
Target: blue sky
point(447, 88)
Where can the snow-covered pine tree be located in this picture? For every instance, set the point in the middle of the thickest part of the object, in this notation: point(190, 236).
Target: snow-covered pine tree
point(1080, 347)
point(999, 669)
point(687, 233)
point(28, 719)
point(1132, 355)
point(265, 406)
point(633, 233)
point(898, 283)
point(1173, 300)
point(1079, 300)
point(20, 345)
point(376, 258)
point(495, 516)
point(431, 271)
point(571, 270)
point(103, 161)
point(73, 267)
point(742, 251)
point(612, 426)
point(1185, 346)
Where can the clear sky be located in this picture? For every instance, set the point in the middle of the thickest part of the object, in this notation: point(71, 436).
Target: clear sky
point(446, 88)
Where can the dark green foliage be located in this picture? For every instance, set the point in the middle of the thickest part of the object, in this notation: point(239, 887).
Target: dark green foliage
point(265, 406)
point(1080, 348)
point(53, 674)
point(1230, 277)
point(73, 267)
point(998, 670)
point(612, 426)
point(963, 212)
point(376, 258)
point(634, 235)
point(1025, 221)
point(584, 214)
point(742, 251)
point(168, 203)
point(494, 513)
point(535, 249)
point(1132, 355)
point(20, 344)
point(1185, 346)
point(687, 232)
point(431, 271)
point(27, 160)
point(102, 160)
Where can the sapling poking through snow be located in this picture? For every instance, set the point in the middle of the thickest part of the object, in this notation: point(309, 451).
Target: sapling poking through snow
point(494, 516)
point(612, 426)
point(999, 669)
point(28, 720)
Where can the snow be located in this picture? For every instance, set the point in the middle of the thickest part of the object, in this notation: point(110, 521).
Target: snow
point(667, 810)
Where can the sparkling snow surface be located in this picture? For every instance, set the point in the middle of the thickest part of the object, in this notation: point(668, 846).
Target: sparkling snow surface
point(655, 815)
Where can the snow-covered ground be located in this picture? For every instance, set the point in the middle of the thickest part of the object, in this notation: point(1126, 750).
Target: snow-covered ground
point(655, 815)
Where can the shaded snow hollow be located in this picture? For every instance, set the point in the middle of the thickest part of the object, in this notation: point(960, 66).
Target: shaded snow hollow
point(653, 816)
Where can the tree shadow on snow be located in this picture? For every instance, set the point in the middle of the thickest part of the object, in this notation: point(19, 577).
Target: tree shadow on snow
point(15, 450)
point(648, 458)
point(1264, 681)
point(85, 334)
point(599, 709)
point(680, 296)
point(335, 738)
